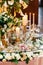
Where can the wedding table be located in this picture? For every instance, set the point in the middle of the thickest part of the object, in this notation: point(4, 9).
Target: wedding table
point(35, 61)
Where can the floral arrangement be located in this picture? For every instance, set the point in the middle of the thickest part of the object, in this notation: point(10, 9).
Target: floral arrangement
point(14, 35)
point(16, 4)
point(8, 25)
point(5, 19)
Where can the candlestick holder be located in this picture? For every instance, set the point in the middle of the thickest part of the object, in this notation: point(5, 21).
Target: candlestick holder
point(29, 26)
point(24, 29)
point(24, 33)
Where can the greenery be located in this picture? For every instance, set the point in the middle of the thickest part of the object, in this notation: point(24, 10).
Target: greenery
point(27, 60)
point(15, 61)
point(5, 19)
point(16, 5)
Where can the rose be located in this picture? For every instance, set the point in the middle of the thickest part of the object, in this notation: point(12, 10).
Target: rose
point(23, 47)
point(13, 55)
point(11, 2)
point(8, 56)
point(17, 56)
point(1, 56)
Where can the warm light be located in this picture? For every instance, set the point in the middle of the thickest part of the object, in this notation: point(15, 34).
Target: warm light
point(30, 20)
point(17, 31)
point(33, 21)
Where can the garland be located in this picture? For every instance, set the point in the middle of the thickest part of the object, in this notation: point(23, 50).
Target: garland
point(20, 56)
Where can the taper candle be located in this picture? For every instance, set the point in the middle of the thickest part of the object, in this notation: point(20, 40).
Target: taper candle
point(30, 21)
point(33, 21)
point(30, 16)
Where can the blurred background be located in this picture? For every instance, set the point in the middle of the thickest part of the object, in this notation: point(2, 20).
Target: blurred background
point(40, 15)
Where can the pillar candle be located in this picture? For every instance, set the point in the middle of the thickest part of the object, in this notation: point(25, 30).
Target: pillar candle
point(17, 31)
point(30, 20)
point(25, 20)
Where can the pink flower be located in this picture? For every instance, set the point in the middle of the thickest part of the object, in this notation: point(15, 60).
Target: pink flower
point(23, 47)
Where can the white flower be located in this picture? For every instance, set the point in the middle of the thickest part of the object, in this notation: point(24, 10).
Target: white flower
point(1, 56)
point(8, 16)
point(5, 26)
point(5, 4)
point(37, 44)
point(0, 43)
point(8, 56)
point(5, 19)
point(13, 55)
point(3, 13)
point(37, 40)
point(4, 60)
point(3, 30)
point(41, 42)
point(41, 53)
point(29, 54)
point(30, 58)
point(41, 46)
point(10, 2)
point(17, 56)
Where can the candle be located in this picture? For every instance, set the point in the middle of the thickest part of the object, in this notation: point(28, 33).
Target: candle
point(25, 20)
point(33, 21)
point(30, 21)
point(17, 32)
point(30, 16)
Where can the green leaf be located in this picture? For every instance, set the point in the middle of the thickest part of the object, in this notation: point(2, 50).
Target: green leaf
point(15, 61)
point(1, 53)
point(36, 52)
point(18, 24)
point(16, 0)
point(26, 1)
point(27, 60)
